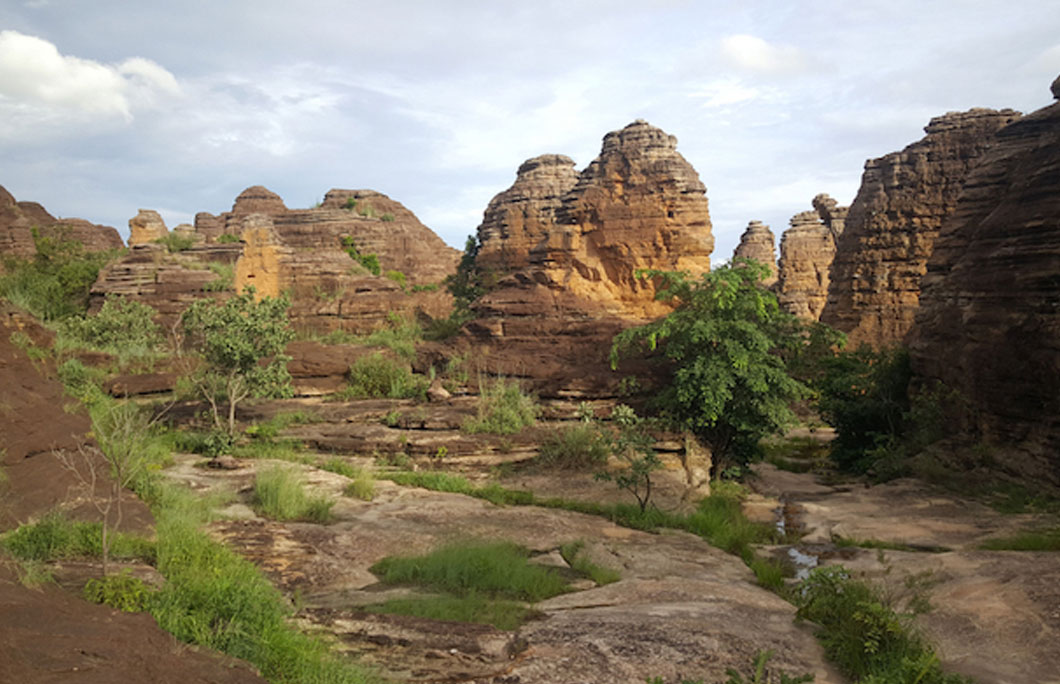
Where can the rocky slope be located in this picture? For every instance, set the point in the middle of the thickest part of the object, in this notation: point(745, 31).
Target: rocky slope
point(988, 325)
point(894, 220)
point(758, 243)
point(567, 251)
point(18, 219)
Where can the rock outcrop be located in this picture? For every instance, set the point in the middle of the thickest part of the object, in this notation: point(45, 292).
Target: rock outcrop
point(147, 226)
point(520, 219)
point(18, 219)
point(638, 205)
point(806, 252)
point(566, 251)
point(758, 243)
point(988, 325)
point(297, 251)
point(892, 225)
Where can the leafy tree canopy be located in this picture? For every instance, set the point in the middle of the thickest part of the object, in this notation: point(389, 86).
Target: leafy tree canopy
point(241, 342)
point(725, 346)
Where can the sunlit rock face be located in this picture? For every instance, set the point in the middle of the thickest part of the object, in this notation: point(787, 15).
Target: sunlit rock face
point(566, 249)
point(806, 251)
point(758, 244)
point(300, 252)
point(890, 231)
point(147, 226)
point(988, 324)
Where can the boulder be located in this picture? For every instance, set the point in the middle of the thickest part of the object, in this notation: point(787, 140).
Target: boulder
point(147, 226)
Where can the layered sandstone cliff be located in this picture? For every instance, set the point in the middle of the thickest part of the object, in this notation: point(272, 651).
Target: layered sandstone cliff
point(638, 205)
point(988, 324)
point(758, 244)
point(18, 219)
point(567, 251)
point(894, 220)
point(807, 248)
point(301, 252)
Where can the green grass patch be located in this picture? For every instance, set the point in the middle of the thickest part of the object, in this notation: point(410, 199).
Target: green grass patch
point(505, 615)
point(576, 447)
point(1036, 540)
point(491, 569)
point(502, 409)
point(863, 635)
point(279, 493)
point(378, 376)
point(362, 483)
point(174, 242)
point(572, 553)
point(848, 542)
point(226, 276)
point(55, 537)
point(227, 238)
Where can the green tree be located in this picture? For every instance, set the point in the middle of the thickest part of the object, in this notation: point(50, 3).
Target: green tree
point(722, 348)
point(466, 284)
point(631, 443)
point(240, 342)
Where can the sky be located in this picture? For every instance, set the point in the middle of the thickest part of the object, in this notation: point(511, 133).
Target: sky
point(110, 106)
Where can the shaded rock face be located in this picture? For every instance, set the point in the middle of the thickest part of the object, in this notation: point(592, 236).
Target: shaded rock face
point(894, 220)
point(988, 325)
point(570, 247)
point(146, 226)
point(758, 243)
point(18, 219)
point(806, 252)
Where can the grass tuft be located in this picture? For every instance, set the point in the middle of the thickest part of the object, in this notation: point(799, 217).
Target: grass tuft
point(577, 447)
point(1039, 540)
point(503, 409)
point(279, 493)
point(505, 615)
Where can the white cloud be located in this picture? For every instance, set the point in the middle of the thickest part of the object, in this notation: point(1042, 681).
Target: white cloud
point(725, 93)
point(756, 55)
point(34, 75)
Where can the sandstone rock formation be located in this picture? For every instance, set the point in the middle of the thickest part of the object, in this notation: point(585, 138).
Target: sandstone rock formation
point(147, 226)
point(758, 243)
point(806, 252)
point(520, 219)
point(639, 204)
point(893, 222)
point(988, 325)
point(832, 215)
point(571, 249)
point(297, 251)
point(18, 219)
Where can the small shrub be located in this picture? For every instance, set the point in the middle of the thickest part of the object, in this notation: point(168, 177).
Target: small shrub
point(398, 277)
point(578, 447)
point(351, 204)
point(503, 409)
point(54, 537)
point(279, 493)
point(387, 217)
point(862, 634)
point(121, 326)
point(122, 592)
point(368, 261)
point(175, 242)
point(425, 287)
point(82, 382)
point(378, 376)
point(400, 335)
point(632, 444)
point(228, 238)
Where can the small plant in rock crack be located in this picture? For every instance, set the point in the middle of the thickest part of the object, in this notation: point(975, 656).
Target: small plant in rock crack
point(631, 443)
